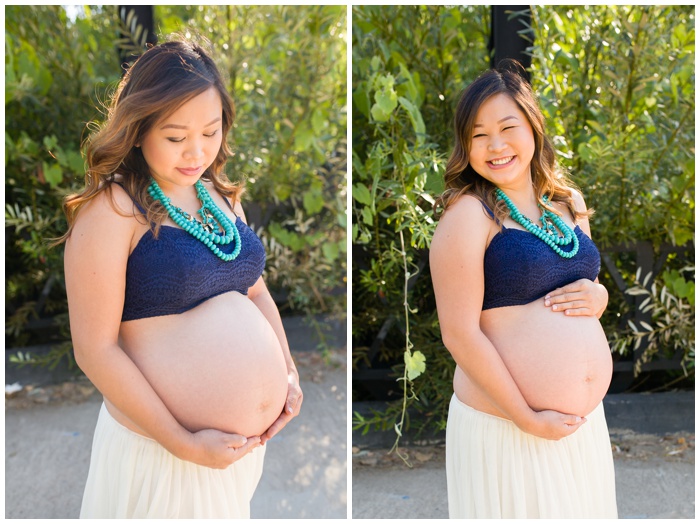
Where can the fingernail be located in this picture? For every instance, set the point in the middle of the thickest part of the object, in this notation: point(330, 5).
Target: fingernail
point(547, 296)
point(554, 307)
point(546, 302)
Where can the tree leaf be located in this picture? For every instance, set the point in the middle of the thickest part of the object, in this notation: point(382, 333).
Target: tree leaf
point(362, 194)
point(415, 116)
point(415, 364)
point(52, 173)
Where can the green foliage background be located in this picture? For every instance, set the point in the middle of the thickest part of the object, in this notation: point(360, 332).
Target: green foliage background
point(286, 68)
point(616, 84)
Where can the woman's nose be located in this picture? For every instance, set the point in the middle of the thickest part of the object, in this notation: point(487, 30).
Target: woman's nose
point(496, 143)
point(194, 150)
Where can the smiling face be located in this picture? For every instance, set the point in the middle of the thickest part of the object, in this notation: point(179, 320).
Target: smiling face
point(502, 143)
point(180, 147)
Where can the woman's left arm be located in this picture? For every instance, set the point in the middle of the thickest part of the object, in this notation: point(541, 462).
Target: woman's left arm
point(582, 297)
point(260, 296)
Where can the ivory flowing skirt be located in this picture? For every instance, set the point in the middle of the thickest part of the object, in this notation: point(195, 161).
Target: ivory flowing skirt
point(495, 470)
point(132, 476)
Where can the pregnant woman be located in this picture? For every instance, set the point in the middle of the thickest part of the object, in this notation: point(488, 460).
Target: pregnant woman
point(170, 317)
point(515, 277)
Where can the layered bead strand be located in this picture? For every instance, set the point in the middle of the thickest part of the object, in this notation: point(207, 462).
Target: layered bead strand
point(547, 234)
point(202, 232)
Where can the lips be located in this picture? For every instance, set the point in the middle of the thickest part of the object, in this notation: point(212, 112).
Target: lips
point(189, 170)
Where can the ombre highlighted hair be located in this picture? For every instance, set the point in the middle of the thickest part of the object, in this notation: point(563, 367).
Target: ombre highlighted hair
point(461, 178)
point(162, 79)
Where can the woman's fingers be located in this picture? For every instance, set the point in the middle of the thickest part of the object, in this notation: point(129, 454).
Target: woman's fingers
point(573, 420)
point(555, 425)
point(236, 441)
point(294, 402)
point(575, 299)
point(218, 450)
point(276, 426)
point(249, 445)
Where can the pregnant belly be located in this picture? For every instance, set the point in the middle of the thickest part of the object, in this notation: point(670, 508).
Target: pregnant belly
point(558, 362)
point(217, 366)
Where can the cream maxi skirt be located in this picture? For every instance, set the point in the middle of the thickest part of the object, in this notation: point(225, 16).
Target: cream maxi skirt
point(494, 470)
point(132, 476)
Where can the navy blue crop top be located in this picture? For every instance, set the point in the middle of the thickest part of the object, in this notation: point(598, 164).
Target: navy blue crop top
point(176, 272)
point(519, 268)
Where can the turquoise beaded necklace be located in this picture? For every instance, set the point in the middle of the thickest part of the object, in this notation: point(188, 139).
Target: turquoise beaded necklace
point(203, 231)
point(548, 234)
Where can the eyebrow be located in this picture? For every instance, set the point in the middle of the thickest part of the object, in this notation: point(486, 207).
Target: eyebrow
point(509, 117)
point(176, 126)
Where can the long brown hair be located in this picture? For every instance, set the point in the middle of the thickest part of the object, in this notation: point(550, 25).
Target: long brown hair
point(157, 84)
point(461, 178)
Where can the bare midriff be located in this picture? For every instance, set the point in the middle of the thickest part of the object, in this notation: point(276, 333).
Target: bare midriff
point(558, 362)
point(216, 366)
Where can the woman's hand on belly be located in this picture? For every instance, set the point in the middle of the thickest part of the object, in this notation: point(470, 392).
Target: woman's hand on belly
point(580, 298)
point(292, 406)
point(218, 450)
point(552, 425)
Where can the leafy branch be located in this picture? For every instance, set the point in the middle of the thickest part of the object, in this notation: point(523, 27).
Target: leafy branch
point(672, 328)
point(414, 362)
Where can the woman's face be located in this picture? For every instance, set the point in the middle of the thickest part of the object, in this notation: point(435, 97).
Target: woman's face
point(502, 143)
point(180, 147)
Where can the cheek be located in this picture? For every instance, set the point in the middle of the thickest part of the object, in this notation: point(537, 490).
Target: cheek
point(156, 155)
point(527, 139)
point(529, 145)
point(475, 153)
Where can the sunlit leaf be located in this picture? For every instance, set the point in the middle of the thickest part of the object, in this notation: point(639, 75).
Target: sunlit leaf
point(415, 364)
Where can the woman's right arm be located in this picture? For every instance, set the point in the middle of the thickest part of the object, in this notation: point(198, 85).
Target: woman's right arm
point(95, 261)
point(456, 267)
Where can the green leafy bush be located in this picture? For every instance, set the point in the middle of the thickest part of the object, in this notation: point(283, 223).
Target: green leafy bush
point(672, 327)
point(617, 85)
point(52, 65)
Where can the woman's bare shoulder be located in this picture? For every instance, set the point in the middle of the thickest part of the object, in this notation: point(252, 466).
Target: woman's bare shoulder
point(109, 213)
point(579, 203)
point(465, 218)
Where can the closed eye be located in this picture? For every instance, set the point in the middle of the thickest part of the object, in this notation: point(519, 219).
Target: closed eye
point(178, 140)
